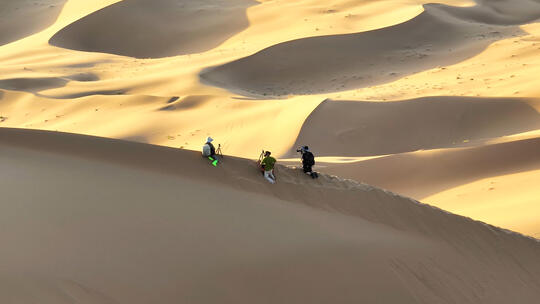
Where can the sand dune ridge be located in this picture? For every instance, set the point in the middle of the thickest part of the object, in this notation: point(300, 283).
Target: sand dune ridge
point(356, 128)
point(435, 101)
point(344, 62)
point(361, 230)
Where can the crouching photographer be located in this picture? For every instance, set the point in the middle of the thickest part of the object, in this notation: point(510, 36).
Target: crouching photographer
point(308, 161)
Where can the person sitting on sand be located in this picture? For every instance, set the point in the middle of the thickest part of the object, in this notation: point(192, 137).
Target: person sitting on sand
point(209, 151)
point(268, 165)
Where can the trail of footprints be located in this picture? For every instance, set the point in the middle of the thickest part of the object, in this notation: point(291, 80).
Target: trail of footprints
point(295, 175)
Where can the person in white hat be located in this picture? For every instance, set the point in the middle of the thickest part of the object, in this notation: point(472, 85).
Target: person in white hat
point(209, 151)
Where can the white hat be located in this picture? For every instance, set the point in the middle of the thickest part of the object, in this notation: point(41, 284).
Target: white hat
point(209, 139)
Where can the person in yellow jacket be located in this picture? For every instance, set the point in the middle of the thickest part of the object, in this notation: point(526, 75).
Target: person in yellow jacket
point(267, 164)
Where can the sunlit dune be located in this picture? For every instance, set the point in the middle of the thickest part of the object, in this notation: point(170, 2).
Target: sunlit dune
point(424, 174)
point(496, 199)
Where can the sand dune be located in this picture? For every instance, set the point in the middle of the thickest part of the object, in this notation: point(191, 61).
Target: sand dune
point(497, 12)
point(353, 128)
point(102, 220)
point(486, 182)
point(21, 18)
point(496, 200)
point(154, 29)
point(104, 215)
point(344, 62)
point(421, 174)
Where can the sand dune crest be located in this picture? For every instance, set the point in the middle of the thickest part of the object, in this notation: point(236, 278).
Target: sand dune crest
point(298, 241)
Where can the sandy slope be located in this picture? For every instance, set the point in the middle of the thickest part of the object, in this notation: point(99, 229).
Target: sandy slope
point(488, 51)
point(356, 128)
point(441, 177)
point(96, 220)
point(21, 18)
point(497, 198)
point(344, 62)
point(423, 173)
point(184, 27)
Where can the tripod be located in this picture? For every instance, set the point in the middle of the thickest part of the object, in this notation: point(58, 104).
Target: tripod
point(261, 157)
point(218, 151)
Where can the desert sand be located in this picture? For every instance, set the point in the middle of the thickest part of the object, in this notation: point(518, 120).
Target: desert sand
point(424, 118)
point(96, 220)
